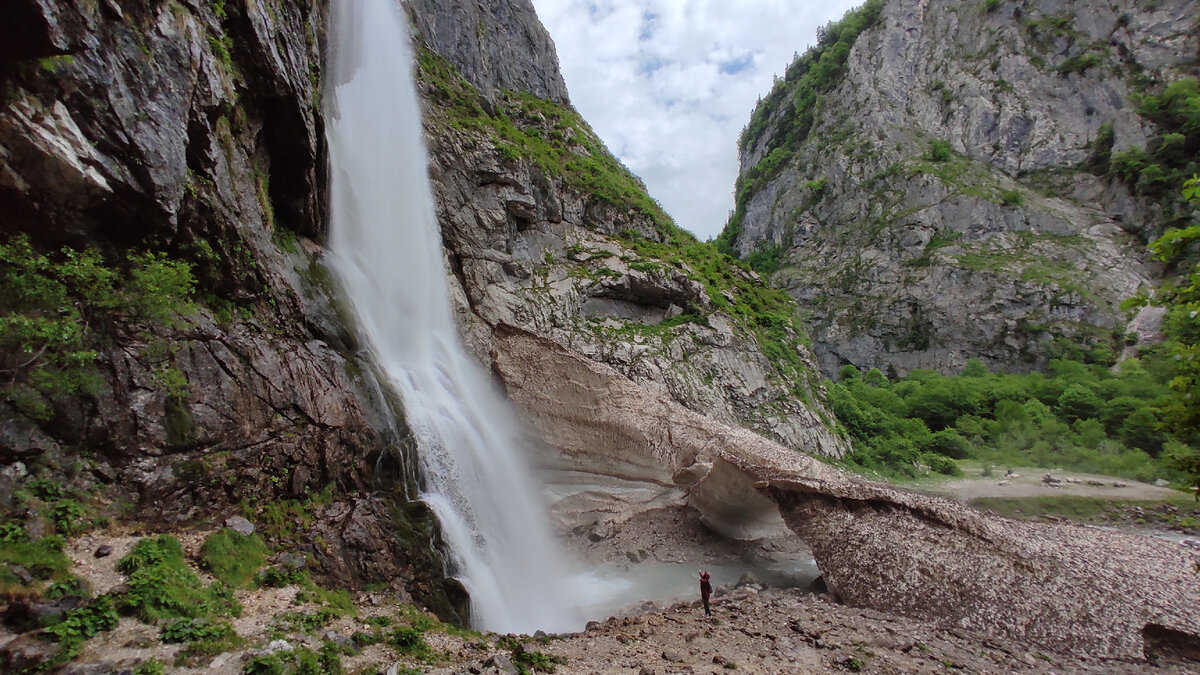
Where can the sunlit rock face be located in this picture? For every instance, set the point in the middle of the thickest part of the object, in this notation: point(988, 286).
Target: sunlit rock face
point(1011, 239)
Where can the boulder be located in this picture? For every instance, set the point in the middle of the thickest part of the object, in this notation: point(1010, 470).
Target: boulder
point(240, 525)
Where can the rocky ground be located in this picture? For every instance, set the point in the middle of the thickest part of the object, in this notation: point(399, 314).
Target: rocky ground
point(753, 629)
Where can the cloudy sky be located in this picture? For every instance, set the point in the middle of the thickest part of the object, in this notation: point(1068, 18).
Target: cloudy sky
point(669, 84)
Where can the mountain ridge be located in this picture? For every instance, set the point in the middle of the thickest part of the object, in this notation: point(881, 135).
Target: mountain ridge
point(925, 180)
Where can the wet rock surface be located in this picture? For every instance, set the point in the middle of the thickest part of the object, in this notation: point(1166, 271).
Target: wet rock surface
point(195, 130)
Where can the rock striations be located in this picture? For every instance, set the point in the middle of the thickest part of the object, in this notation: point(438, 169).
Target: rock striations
point(937, 191)
point(545, 230)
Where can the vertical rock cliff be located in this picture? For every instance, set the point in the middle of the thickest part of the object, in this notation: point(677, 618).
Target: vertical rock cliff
point(933, 181)
point(181, 145)
point(545, 231)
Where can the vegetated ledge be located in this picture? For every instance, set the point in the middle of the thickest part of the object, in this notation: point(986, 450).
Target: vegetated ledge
point(1061, 586)
point(550, 172)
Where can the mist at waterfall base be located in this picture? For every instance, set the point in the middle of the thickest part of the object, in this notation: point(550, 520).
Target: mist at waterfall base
point(385, 249)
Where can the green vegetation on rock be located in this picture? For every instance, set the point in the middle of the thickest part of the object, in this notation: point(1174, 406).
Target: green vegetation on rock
point(551, 136)
point(559, 143)
point(162, 586)
point(1181, 408)
point(1172, 155)
point(232, 557)
point(55, 309)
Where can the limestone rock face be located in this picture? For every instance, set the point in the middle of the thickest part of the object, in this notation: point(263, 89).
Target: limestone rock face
point(530, 250)
point(195, 130)
point(494, 45)
point(1065, 587)
point(1007, 241)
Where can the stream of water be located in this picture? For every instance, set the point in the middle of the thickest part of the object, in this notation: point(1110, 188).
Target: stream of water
point(385, 247)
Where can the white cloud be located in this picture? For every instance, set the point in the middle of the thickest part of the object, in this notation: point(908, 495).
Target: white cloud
point(669, 84)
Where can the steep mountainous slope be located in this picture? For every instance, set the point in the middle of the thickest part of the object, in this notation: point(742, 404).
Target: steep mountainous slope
point(938, 180)
point(173, 348)
point(546, 231)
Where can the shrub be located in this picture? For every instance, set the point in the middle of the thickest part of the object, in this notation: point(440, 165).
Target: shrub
point(943, 465)
point(51, 305)
point(151, 666)
point(1011, 198)
point(1004, 419)
point(949, 443)
point(79, 625)
point(232, 557)
point(939, 150)
point(195, 630)
point(537, 662)
point(409, 641)
point(1077, 402)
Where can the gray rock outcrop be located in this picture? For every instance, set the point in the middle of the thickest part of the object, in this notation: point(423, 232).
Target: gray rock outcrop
point(530, 248)
point(1005, 247)
point(494, 45)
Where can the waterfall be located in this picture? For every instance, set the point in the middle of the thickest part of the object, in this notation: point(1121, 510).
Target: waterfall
point(385, 248)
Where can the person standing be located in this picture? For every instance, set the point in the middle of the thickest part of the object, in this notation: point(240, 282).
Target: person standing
point(705, 591)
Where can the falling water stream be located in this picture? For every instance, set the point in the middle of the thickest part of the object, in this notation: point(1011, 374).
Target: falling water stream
point(386, 250)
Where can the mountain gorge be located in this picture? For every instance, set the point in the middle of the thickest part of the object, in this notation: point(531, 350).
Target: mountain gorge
point(178, 352)
point(939, 181)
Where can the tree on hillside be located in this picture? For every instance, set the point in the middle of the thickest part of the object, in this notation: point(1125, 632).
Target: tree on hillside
point(1182, 409)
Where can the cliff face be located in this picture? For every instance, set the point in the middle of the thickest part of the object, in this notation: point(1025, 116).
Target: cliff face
point(190, 133)
point(546, 231)
point(493, 45)
point(940, 189)
point(186, 139)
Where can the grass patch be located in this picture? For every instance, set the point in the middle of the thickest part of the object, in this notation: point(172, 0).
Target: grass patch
point(410, 642)
point(528, 662)
point(549, 135)
point(43, 559)
point(1179, 513)
point(162, 586)
point(232, 557)
point(301, 661)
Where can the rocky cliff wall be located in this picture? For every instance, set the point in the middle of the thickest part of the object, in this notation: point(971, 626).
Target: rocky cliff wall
point(494, 45)
point(191, 132)
point(945, 202)
point(545, 230)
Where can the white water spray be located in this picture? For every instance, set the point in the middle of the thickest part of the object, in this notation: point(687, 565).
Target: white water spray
point(386, 250)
